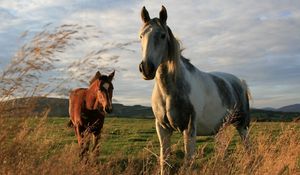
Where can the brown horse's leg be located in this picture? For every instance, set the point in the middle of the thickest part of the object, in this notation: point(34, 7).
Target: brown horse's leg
point(79, 138)
point(96, 138)
point(97, 131)
point(86, 139)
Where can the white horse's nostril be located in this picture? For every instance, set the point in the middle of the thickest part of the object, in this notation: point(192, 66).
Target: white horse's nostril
point(141, 67)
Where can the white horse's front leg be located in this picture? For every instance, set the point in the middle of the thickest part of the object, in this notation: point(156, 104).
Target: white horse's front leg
point(164, 136)
point(189, 143)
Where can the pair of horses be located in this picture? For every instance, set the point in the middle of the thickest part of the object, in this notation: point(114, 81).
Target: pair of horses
point(184, 98)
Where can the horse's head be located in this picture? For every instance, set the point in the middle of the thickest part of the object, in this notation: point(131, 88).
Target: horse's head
point(104, 91)
point(156, 42)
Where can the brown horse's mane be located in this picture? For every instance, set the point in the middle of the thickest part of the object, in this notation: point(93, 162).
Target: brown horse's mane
point(98, 76)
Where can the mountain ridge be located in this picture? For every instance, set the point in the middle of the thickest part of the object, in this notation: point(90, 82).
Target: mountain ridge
point(287, 108)
point(58, 107)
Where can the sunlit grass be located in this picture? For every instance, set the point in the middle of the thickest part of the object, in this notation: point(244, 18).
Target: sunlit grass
point(130, 146)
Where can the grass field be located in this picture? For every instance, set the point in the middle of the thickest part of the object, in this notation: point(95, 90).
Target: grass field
point(130, 146)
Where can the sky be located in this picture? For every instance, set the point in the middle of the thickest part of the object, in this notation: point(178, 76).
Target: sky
point(258, 41)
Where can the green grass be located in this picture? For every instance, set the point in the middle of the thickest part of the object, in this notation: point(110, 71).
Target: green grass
point(124, 141)
point(125, 136)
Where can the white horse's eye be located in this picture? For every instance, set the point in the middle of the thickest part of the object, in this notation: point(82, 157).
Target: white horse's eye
point(141, 36)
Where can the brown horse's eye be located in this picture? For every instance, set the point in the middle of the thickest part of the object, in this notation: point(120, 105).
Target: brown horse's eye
point(141, 36)
point(163, 36)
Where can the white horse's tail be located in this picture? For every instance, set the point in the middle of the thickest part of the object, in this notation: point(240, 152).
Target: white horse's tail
point(248, 93)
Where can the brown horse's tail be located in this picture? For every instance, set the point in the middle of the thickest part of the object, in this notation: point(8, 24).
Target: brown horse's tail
point(70, 124)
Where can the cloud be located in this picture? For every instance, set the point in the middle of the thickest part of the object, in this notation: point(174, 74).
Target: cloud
point(256, 40)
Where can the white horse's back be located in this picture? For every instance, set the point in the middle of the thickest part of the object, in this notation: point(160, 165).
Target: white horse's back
point(214, 95)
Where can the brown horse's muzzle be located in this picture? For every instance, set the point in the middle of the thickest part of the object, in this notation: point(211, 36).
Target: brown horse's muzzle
point(105, 100)
point(108, 109)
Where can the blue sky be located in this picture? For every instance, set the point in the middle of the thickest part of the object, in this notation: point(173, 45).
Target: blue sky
point(258, 41)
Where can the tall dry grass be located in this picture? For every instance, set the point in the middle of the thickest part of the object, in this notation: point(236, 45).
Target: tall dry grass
point(270, 153)
point(24, 75)
point(42, 67)
point(26, 150)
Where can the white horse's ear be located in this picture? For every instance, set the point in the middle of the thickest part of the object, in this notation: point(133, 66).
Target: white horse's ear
point(145, 15)
point(163, 15)
point(111, 76)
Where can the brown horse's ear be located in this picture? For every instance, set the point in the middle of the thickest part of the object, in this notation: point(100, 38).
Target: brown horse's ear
point(111, 76)
point(163, 15)
point(97, 76)
point(145, 15)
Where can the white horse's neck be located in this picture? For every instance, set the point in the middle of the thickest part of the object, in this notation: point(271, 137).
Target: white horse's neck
point(169, 73)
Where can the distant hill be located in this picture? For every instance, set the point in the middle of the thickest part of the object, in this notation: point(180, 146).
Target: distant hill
point(267, 115)
point(269, 109)
point(35, 106)
point(57, 107)
point(137, 111)
point(288, 108)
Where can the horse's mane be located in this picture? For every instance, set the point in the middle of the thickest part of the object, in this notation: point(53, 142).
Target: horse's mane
point(175, 52)
point(101, 77)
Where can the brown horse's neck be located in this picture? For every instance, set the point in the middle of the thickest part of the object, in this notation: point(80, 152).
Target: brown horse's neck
point(91, 102)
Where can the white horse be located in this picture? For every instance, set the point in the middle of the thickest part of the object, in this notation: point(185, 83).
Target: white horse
point(185, 98)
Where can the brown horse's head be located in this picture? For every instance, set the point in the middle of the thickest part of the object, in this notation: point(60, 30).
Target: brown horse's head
point(102, 85)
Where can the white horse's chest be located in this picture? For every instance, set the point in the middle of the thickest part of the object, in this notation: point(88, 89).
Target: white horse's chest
point(172, 111)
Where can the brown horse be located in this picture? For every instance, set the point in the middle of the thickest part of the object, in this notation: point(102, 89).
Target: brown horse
point(88, 106)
